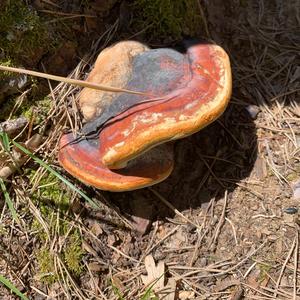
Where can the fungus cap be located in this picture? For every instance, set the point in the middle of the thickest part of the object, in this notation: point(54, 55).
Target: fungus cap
point(81, 157)
point(186, 93)
point(113, 68)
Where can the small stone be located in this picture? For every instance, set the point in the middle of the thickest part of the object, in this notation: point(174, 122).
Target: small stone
point(253, 111)
point(289, 219)
point(290, 210)
point(266, 231)
point(141, 224)
point(273, 237)
point(13, 85)
point(202, 262)
point(13, 126)
point(296, 189)
point(18, 82)
point(142, 212)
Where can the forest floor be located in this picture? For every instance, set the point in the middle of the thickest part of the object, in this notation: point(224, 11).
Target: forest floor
point(224, 225)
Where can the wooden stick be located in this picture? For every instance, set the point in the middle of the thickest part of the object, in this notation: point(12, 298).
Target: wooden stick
point(71, 81)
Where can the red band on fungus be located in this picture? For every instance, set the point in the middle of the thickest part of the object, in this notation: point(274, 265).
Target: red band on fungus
point(82, 161)
point(202, 97)
point(190, 91)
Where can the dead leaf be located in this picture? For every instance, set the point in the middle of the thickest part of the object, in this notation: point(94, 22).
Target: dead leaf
point(155, 272)
point(97, 229)
point(117, 283)
point(260, 169)
point(237, 293)
point(156, 276)
point(186, 295)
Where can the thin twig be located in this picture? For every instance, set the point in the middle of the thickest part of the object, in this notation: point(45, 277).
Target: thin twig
point(175, 210)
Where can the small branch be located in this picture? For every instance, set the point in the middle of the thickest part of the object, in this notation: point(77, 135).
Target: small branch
point(10, 168)
point(13, 126)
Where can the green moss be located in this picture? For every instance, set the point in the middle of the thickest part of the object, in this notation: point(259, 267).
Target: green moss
point(7, 63)
point(46, 265)
point(39, 230)
point(21, 30)
point(167, 18)
point(264, 271)
point(37, 108)
point(3, 230)
point(294, 175)
point(73, 254)
point(43, 107)
point(50, 192)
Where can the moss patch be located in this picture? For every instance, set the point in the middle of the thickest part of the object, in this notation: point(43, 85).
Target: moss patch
point(22, 33)
point(45, 261)
point(264, 271)
point(73, 253)
point(7, 63)
point(167, 18)
point(38, 109)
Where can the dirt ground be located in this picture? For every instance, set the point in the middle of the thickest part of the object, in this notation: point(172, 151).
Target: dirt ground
point(224, 225)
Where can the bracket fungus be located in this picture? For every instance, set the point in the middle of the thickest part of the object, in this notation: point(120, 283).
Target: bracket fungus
point(123, 142)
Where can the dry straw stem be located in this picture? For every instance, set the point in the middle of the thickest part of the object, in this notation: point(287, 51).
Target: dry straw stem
point(220, 223)
point(60, 13)
point(148, 251)
point(284, 266)
point(71, 81)
point(295, 267)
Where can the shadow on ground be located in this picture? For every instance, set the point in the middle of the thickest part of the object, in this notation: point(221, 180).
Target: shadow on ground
point(263, 52)
point(206, 165)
